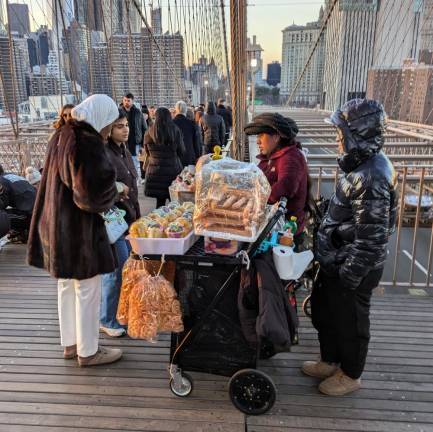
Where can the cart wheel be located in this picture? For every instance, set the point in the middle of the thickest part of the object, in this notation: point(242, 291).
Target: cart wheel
point(306, 306)
point(184, 389)
point(252, 391)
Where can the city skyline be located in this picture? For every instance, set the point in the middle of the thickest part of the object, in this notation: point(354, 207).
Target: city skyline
point(281, 13)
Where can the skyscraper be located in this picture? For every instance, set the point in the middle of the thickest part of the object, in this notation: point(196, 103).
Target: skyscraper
point(156, 21)
point(349, 51)
point(63, 12)
point(19, 18)
point(100, 70)
point(298, 42)
point(273, 75)
point(426, 33)
point(77, 51)
point(397, 35)
point(13, 91)
point(140, 68)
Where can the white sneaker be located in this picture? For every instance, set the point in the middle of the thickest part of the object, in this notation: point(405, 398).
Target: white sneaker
point(112, 332)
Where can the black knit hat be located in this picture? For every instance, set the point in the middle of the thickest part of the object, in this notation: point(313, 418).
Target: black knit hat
point(272, 123)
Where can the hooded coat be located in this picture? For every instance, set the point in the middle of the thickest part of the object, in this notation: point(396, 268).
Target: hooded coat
point(212, 128)
point(67, 233)
point(353, 236)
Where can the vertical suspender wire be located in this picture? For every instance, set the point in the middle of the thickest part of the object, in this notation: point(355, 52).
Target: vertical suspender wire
point(42, 71)
point(179, 83)
point(72, 47)
point(310, 57)
point(152, 80)
point(131, 50)
point(226, 51)
point(13, 73)
point(187, 39)
point(58, 54)
point(69, 50)
point(109, 51)
point(90, 11)
point(142, 59)
point(238, 54)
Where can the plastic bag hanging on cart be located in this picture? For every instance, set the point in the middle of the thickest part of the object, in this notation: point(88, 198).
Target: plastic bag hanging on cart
point(148, 304)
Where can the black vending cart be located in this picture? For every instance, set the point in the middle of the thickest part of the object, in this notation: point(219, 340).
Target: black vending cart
point(212, 341)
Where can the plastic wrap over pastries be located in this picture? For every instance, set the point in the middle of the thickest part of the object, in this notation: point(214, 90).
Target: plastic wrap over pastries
point(147, 304)
point(231, 199)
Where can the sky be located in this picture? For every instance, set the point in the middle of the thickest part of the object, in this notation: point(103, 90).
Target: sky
point(266, 19)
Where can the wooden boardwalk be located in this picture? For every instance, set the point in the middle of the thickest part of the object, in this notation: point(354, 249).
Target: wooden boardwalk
point(39, 391)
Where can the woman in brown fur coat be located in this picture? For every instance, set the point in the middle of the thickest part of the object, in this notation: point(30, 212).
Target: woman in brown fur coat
point(67, 234)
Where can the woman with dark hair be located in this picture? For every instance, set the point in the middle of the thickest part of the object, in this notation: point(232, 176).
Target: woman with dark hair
point(65, 115)
point(126, 176)
point(213, 129)
point(283, 163)
point(164, 148)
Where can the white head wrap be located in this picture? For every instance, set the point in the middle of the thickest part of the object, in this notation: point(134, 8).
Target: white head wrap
point(99, 110)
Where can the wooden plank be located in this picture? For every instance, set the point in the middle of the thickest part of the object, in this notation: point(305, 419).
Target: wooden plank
point(113, 423)
point(332, 424)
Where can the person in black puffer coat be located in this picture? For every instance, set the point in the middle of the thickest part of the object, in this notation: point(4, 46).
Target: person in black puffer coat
point(352, 246)
point(164, 150)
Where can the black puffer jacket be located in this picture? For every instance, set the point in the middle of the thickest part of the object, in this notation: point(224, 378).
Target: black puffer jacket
point(352, 239)
point(163, 163)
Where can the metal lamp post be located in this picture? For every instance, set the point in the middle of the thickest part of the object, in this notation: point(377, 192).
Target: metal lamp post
point(253, 65)
point(206, 83)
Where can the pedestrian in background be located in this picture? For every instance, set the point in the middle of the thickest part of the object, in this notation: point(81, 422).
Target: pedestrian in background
point(190, 137)
point(137, 128)
point(164, 150)
point(212, 128)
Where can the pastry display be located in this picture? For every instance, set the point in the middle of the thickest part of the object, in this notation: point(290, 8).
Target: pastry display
point(175, 230)
point(155, 230)
point(185, 222)
point(231, 198)
point(171, 221)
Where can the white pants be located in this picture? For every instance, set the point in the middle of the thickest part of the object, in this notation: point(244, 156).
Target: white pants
point(79, 302)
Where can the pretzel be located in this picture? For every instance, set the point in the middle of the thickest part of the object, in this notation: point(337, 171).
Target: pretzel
point(229, 202)
point(238, 204)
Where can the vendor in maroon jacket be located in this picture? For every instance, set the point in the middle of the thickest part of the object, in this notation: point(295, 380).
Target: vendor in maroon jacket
point(283, 162)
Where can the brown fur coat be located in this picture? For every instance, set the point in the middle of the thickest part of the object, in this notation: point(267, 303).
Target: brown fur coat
point(67, 234)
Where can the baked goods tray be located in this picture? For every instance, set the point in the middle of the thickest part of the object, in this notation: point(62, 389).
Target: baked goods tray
point(195, 254)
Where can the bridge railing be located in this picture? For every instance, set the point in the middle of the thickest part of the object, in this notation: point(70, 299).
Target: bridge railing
point(412, 241)
point(16, 155)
